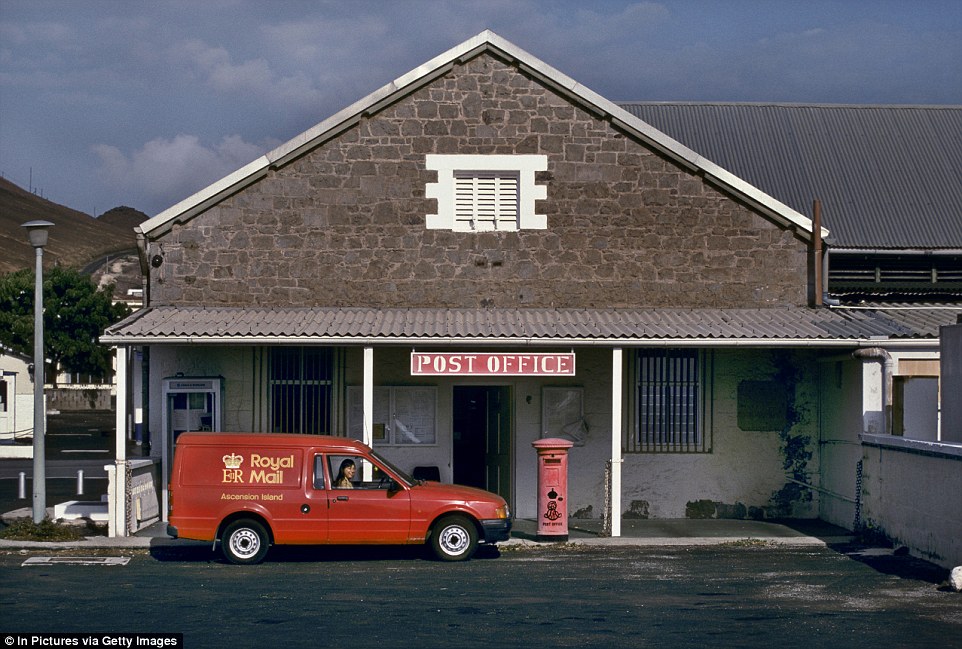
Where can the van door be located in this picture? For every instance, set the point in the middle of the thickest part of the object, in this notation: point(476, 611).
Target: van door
point(365, 504)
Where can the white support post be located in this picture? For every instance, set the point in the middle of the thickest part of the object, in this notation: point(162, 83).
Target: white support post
point(616, 401)
point(368, 405)
point(112, 527)
point(120, 385)
point(117, 487)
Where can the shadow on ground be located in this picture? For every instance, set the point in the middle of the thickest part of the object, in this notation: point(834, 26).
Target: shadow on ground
point(203, 553)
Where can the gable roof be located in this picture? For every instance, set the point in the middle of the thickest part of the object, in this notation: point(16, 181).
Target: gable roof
point(491, 43)
point(888, 177)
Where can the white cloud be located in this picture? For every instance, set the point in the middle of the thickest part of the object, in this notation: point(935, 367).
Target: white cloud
point(164, 171)
point(254, 78)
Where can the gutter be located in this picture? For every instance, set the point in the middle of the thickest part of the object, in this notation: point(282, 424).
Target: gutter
point(957, 307)
point(939, 252)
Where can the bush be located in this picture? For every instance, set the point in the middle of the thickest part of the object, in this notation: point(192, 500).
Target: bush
point(24, 529)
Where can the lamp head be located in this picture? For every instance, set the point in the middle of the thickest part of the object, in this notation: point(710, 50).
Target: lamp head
point(37, 232)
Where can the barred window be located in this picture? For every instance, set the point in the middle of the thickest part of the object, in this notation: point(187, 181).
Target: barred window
point(301, 388)
point(670, 402)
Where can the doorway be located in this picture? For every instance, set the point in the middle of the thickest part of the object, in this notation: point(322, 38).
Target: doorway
point(482, 438)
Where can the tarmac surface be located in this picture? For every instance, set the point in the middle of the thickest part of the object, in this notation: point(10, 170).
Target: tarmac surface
point(661, 532)
point(86, 440)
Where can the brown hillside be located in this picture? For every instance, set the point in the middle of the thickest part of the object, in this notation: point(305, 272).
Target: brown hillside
point(77, 239)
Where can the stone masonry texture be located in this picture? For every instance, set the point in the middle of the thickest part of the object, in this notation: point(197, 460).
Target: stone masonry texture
point(344, 224)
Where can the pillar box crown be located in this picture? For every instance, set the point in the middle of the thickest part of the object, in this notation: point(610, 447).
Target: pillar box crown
point(552, 444)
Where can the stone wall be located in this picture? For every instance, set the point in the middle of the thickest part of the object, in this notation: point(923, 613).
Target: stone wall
point(344, 225)
point(80, 397)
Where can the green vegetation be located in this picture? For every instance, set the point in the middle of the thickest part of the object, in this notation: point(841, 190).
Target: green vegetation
point(75, 314)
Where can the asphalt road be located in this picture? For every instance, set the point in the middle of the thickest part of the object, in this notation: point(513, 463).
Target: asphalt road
point(743, 595)
point(74, 441)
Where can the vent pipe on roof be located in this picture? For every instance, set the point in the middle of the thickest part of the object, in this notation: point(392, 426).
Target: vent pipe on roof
point(817, 251)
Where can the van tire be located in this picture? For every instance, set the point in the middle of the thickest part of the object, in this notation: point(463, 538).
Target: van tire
point(454, 538)
point(244, 542)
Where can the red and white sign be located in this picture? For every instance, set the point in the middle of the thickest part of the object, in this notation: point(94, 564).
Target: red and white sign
point(485, 364)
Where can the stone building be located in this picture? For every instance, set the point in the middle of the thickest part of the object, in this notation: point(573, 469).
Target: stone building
point(484, 253)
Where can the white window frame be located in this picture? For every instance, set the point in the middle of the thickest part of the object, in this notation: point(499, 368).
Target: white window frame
point(501, 198)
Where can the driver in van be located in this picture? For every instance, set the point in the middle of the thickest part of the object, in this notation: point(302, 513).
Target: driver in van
point(345, 474)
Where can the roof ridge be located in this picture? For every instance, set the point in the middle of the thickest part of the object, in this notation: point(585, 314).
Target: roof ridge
point(789, 104)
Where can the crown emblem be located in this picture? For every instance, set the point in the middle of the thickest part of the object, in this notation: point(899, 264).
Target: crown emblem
point(233, 461)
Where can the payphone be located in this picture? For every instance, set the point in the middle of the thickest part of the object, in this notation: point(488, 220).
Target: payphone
point(191, 403)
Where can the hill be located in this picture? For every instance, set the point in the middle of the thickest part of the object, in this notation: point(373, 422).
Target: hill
point(76, 239)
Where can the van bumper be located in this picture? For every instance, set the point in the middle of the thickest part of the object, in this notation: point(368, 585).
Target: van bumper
point(496, 529)
point(172, 531)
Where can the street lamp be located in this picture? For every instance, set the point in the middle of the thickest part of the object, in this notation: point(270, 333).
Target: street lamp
point(37, 232)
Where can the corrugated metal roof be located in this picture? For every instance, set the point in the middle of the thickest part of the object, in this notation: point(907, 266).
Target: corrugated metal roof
point(887, 176)
point(546, 326)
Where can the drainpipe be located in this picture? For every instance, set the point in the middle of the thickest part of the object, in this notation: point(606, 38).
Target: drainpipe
point(885, 360)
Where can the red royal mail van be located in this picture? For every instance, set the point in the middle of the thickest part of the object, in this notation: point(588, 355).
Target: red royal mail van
point(249, 490)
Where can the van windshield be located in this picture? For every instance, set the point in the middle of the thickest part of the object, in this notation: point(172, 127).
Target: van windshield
point(404, 477)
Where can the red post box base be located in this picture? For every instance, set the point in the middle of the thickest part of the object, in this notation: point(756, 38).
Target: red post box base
point(551, 538)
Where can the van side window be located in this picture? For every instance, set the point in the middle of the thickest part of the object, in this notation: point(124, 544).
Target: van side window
point(318, 471)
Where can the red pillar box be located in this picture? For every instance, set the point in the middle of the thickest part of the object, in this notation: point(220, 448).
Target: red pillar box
point(552, 488)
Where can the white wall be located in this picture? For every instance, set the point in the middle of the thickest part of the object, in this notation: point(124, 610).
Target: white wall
point(911, 494)
point(235, 364)
point(18, 416)
point(920, 407)
point(841, 411)
point(744, 470)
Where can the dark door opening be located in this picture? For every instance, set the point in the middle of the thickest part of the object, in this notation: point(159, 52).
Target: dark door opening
point(482, 438)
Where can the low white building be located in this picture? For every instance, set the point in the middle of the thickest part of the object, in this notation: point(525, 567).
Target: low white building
point(16, 406)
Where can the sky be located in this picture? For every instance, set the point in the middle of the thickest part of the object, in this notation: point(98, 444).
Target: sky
point(106, 102)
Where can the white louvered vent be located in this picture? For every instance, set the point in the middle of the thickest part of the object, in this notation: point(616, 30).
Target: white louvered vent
point(486, 200)
point(486, 193)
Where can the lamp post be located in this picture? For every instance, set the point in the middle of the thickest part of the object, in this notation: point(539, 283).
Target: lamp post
point(37, 232)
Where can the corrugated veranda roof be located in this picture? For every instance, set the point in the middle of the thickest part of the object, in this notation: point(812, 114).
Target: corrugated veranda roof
point(525, 326)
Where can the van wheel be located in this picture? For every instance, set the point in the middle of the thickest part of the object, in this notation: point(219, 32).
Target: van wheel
point(244, 542)
point(454, 538)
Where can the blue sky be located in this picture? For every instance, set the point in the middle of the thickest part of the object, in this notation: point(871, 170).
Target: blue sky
point(106, 103)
